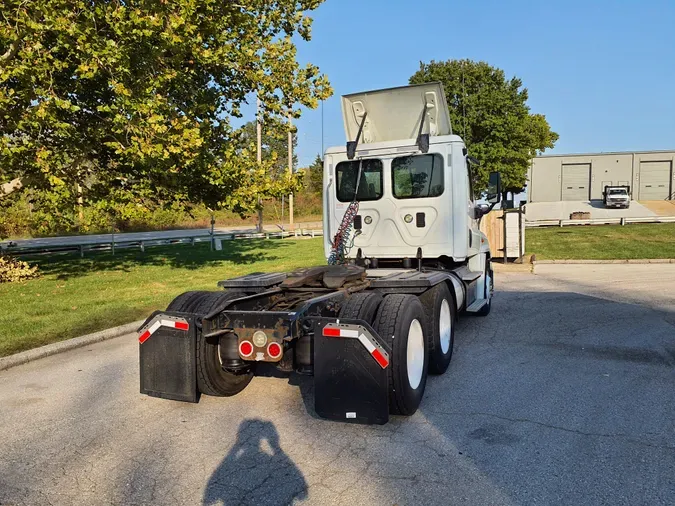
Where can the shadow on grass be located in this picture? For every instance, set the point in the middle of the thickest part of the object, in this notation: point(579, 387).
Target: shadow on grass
point(243, 252)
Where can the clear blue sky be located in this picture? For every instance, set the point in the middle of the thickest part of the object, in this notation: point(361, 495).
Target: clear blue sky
point(602, 71)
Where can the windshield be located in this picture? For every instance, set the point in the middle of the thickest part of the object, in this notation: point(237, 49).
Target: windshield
point(370, 187)
point(618, 191)
point(417, 176)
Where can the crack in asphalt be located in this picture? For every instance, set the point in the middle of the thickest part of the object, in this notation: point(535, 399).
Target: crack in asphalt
point(627, 437)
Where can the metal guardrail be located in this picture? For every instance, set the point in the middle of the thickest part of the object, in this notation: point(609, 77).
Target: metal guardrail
point(600, 221)
point(116, 242)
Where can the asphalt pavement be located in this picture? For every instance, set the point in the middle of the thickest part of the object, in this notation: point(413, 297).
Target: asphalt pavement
point(538, 211)
point(565, 394)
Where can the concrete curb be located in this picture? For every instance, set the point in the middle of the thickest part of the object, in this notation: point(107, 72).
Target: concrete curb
point(626, 261)
point(70, 344)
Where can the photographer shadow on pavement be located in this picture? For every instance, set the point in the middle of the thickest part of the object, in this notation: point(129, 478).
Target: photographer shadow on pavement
point(256, 470)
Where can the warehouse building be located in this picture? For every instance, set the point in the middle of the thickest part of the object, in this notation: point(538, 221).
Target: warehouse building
point(582, 177)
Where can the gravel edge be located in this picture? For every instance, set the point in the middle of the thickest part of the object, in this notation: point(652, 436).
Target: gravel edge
point(70, 344)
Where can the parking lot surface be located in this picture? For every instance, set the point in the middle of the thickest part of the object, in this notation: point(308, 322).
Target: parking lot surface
point(536, 211)
point(565, 394)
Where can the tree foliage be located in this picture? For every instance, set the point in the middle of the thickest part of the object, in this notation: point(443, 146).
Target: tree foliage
point(274, 144)
point(491, 113)
point(132, 100)
point(314, 176)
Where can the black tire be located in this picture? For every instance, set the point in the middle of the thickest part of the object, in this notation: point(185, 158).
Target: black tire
point(361, 306)
point(212, 379)
point(485, 310)
point(434, 301)
point(393, 322)
point(185, 302)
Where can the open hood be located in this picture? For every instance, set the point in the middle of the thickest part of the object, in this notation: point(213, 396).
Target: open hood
point(395, 113)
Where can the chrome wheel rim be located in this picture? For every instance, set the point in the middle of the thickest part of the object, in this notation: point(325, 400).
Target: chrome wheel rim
point(415, 354)
point(445, 326)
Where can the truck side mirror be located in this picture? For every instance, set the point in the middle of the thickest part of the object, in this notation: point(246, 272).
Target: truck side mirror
point(482, 210)
point(494, 191)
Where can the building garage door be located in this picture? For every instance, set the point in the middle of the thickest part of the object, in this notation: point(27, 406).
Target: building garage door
point(576, 181)
point(655, 180)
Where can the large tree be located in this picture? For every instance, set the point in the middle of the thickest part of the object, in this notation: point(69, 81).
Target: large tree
point(491, 113)
point(131, 101)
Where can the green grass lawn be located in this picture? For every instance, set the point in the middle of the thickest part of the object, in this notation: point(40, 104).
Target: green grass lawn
point(76, 296)
point(602, 242)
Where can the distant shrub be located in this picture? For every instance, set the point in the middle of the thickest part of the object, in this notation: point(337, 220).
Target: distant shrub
point(39, 214)
point(12, 270)
point(15, 218)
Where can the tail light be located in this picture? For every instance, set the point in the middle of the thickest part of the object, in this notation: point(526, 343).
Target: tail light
point(245, 348)
point(274, 350)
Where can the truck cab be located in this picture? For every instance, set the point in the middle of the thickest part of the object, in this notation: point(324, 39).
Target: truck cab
point(414, 194)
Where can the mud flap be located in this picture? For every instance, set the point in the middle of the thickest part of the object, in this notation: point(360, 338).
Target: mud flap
point(167, 353)
point(350, 372)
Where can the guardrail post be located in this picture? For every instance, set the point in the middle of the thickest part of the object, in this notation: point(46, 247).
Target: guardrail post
point(113, 243)
point(81, 250)
point(623, 221)
point(560, 223)
point(142, 246)
point(312, 233)
point(213, 224)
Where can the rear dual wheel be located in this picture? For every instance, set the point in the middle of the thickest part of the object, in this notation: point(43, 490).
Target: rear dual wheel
point(439, 309)
point(361, 306)
point(400, 322)
point(212, 378)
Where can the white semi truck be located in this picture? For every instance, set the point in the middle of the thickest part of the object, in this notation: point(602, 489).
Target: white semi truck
point(406, 258)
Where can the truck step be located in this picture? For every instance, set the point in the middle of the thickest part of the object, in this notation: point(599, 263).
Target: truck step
point(466, 275)
point(476, 305)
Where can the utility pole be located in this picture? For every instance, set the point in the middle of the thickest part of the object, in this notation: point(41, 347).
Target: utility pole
point(290, 168)
point(258, 128)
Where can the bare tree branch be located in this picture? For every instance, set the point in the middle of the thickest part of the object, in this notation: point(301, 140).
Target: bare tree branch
point(11, 52)
point(7, 188)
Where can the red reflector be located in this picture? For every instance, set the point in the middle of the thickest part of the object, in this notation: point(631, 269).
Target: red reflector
point(144, 336)
point(246, 349)
point(380, 358)
point(331, 332)
point(274, 350)
point(182, 325)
